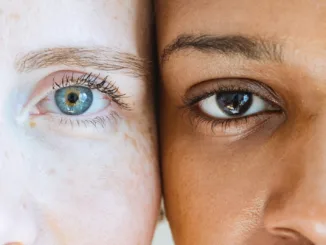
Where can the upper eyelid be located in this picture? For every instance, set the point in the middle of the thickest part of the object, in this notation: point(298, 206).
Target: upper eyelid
point(243, 84)
point(81, 79)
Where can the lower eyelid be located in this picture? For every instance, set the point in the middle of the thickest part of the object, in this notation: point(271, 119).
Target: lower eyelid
point(107, 117)
point(231, 127)
point(102, 113)
point(69, 125)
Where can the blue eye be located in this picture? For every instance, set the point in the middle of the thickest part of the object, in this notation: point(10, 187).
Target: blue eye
point(73, 100)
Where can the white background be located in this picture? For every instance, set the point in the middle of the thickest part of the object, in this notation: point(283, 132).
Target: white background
point(163, 234)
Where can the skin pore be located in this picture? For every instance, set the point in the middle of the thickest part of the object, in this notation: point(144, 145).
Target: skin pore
point(243, 120)
point(70, 175)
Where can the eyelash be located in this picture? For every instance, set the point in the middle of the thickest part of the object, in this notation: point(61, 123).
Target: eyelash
point(196, 117)
point(99, 120)
point(90, 81)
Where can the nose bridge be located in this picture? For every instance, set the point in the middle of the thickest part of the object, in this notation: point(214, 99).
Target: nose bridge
point(297, 205)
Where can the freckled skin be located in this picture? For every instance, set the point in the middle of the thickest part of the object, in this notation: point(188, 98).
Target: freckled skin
point(32, 124)
point(269, 187)
point(63, 184)
point(15, 17)
point(133, 141)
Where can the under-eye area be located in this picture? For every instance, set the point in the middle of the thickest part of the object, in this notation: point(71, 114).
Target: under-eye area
point(232, 106)
point(76, 100)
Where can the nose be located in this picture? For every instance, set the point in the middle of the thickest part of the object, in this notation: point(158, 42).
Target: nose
point(297, 220)
point(296, 208)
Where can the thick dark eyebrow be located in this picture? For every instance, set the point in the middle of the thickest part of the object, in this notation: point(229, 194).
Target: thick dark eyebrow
point(231, 45)
point(100, 58)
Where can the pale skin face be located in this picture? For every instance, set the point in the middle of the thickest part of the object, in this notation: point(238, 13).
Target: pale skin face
point(81, 179)
point(243, 130)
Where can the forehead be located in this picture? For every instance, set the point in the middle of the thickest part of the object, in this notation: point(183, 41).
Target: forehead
point(291, 18)
point(34, 24)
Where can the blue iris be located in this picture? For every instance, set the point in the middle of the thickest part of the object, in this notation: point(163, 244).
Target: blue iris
point(74, 100)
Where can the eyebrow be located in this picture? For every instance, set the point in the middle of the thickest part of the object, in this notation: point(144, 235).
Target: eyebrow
point(254, 48)
point(100, 58)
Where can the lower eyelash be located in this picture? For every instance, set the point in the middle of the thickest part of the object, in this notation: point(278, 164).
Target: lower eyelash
point(197, 119)
point(99, 121)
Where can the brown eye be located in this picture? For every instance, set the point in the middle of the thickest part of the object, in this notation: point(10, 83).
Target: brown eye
point(234, 103)
point(231, 104)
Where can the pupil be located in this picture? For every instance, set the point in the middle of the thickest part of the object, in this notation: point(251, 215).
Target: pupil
point(234, 103)
point(72, 98)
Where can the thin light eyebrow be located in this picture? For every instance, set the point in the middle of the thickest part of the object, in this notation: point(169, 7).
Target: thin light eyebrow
point(100, 58)
point(254, 48)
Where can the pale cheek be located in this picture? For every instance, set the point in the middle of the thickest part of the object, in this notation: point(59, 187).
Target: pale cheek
point(79, 190)
point(110, 203)
point(105, 187)
point(73, 185)
point(143, 144)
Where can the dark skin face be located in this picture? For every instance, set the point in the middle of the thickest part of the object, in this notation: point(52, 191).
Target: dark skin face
point(243, 120)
